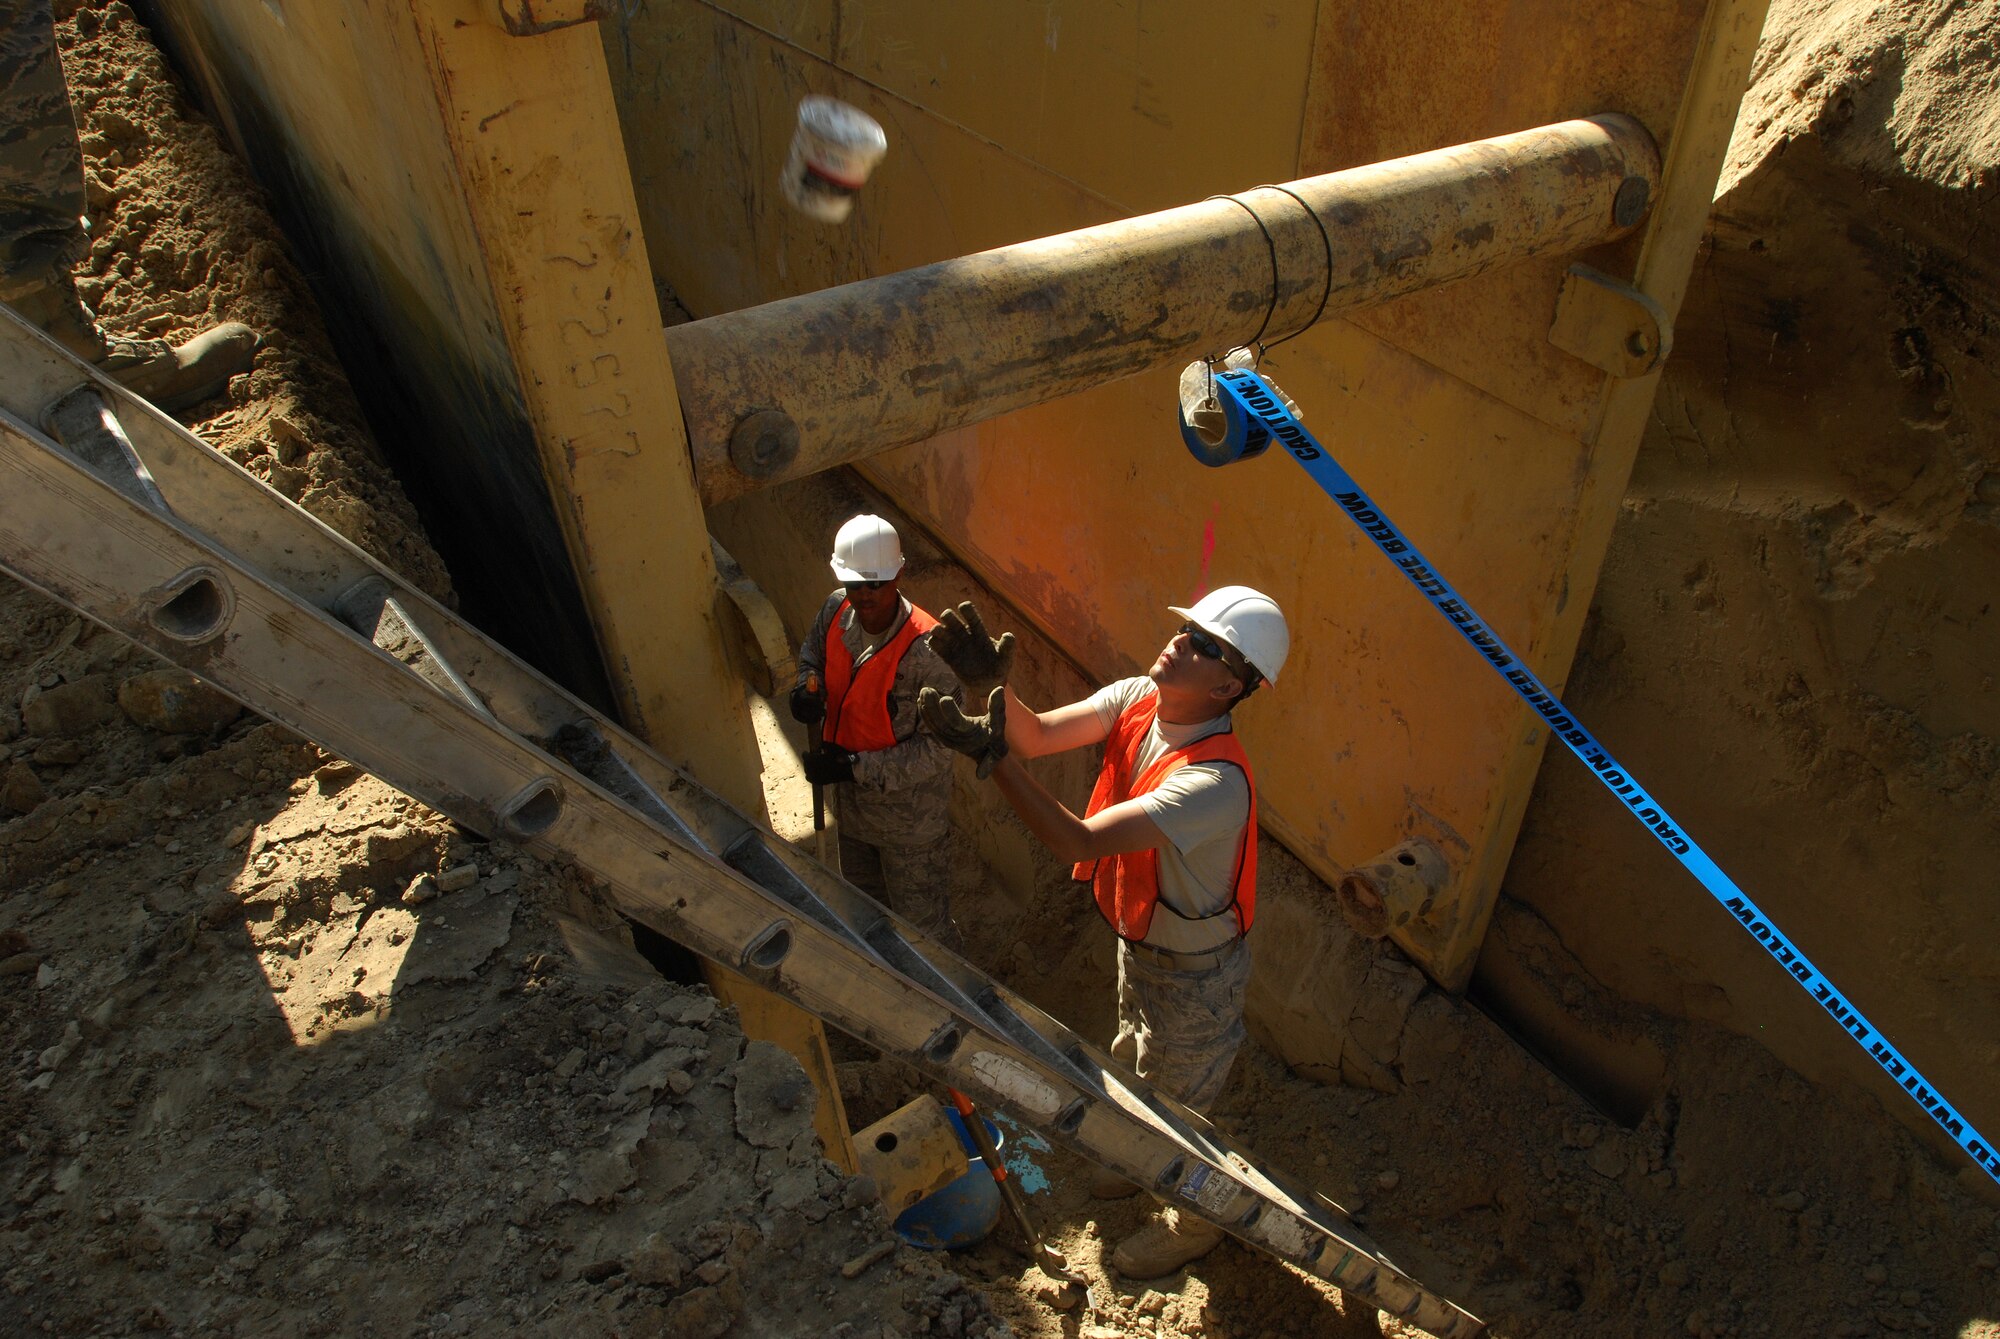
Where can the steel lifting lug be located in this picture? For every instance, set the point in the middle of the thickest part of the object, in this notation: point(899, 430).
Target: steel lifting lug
point(1610, 324)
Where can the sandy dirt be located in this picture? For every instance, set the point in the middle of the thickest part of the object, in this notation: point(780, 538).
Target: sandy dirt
point(285, 1052)
point(1795, 637)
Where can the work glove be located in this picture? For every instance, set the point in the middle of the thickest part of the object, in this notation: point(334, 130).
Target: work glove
point(980, 738)
point(808, 707)
point(827, 767)
point(980, 662)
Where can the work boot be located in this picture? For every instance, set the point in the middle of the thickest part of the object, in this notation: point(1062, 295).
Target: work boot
point(1106, 1184)
point(178, 376)
point(1164, 1245)
point(173, 376)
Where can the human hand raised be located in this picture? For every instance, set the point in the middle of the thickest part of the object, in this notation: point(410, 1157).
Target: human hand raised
point(980, 661)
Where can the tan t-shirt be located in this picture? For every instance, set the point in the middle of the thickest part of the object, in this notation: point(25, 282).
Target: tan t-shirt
point(1201, 808)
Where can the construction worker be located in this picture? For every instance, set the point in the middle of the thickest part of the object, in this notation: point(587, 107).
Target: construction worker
point(42, 231)
point(860, 672)
point(1168, 845)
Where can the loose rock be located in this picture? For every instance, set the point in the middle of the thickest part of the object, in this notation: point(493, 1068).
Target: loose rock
point(174, 702)
point(21, 791)
point(861, 1263)
point(69, 708)
point(655, 1263)
point(774, 1099)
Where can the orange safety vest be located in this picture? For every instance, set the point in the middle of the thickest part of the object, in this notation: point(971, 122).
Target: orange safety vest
point(857, 702)
point(1127, 886)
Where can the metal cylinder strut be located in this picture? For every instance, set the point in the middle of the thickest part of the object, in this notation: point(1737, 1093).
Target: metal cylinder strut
point(806, 383)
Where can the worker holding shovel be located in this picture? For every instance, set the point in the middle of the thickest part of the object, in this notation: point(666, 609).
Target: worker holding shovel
point(1168, 844)
point(860, 671)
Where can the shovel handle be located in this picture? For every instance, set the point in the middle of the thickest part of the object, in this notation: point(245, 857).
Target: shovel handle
point(989, 1153)
point(1046, 1259)
point(814, 738)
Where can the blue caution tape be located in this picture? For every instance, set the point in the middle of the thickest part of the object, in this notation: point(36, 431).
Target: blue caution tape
point(1254, 417)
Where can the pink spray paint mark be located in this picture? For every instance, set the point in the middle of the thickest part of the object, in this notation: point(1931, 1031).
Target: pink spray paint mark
point(1207, 550)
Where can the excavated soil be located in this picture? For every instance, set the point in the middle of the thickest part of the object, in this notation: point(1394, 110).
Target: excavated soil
point(1795, 636)
point(285, 1052)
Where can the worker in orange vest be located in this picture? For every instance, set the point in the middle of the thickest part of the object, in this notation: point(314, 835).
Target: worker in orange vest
point(860, 671)
point(1168, 844)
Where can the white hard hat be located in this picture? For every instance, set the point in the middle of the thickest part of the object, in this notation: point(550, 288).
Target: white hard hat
point(867, 549)
point(1249, 621)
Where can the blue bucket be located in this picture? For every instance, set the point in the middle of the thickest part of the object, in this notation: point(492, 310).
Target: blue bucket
point(962, 1212)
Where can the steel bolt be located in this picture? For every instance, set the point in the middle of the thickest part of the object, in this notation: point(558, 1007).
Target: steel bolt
point(764, 443)
point(1629, 205)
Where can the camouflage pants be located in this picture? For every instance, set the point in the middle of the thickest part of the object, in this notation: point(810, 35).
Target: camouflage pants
point(912, 881)
point(41, 167)
point(1180, 1031)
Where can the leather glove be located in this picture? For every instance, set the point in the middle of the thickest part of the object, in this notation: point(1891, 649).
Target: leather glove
point(827, 767)
point(980, 661)
point(981, 738)
point(808, 708)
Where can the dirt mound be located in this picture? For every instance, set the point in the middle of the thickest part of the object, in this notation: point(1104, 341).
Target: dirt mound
point(1794, 637)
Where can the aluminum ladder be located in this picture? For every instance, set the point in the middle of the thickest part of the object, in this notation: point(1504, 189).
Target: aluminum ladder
point(116, 510)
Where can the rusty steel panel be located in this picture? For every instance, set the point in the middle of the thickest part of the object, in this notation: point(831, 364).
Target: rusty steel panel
point(1486, 69)
point(1505, 456)
point(456, 168)
point(1140, 102)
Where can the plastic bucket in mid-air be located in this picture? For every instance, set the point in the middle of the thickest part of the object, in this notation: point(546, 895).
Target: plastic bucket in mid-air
point(833, 151)
point(961, 1213)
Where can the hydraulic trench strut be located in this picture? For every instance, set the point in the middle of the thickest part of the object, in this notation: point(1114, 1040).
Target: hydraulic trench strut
point(119, 512)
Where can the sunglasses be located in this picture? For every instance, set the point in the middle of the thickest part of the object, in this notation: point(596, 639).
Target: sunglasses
point(866, 585)
point(1203, 644)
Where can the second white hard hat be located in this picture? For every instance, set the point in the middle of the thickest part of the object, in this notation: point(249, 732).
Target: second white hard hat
point(1248, 620)
point(867, 549)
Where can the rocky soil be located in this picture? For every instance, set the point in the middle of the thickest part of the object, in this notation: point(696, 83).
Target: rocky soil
point(284, 1052)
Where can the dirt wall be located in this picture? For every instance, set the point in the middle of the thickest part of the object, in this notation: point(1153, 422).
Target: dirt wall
point(1794, 642)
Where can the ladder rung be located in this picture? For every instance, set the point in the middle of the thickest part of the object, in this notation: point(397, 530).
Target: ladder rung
point(89, 430)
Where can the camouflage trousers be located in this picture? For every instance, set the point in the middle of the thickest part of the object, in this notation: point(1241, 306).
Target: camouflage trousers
point(41, 167)
point(912, 881)
point(1180, 1031)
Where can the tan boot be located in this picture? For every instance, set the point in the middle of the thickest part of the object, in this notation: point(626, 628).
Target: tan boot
point(176, 376)
point(1165, 1245)
point(1106, 1184)
point(172, 376)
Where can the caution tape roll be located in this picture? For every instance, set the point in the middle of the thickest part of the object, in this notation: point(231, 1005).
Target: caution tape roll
point(1255, 416)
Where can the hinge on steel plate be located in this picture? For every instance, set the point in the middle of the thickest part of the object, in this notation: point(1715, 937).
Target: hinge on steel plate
point(1610, 324)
